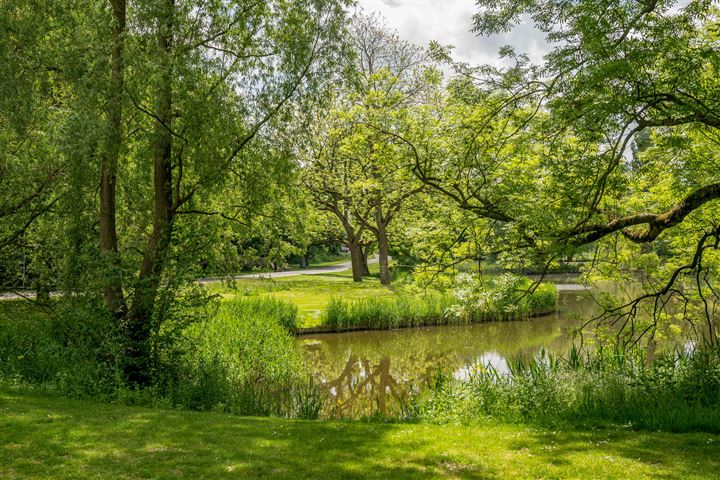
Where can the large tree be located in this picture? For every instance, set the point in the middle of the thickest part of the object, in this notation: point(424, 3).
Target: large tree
point(369, 172)
point(155, 109)
point(616, 69)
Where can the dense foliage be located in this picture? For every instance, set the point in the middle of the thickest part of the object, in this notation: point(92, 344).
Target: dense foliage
point(147, 143)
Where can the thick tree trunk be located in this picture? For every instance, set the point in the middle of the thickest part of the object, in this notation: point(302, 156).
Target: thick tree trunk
point(356, 259)
point(112, 291)
point(139, 319)
point(365, 250)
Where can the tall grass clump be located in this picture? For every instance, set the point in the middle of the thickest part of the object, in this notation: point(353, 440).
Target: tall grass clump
point(271, 309)
point(244, 361)
point(238, 357)
point(678, 392)
point(63, 347)
point(388, 312)
point(505, 297)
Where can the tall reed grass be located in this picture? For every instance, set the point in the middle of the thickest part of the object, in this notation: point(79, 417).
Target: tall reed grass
point(245, 361)
point(390, 312)
point(239, 358)
point(505, 298)
point(678, 392)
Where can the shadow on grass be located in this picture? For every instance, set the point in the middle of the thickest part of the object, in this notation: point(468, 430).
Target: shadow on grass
point(54, 438)
point(665, 455)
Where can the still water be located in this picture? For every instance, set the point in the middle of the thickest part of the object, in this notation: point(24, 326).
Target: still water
point(362, 372)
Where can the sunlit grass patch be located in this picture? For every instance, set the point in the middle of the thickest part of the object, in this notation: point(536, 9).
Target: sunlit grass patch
point(93, 440)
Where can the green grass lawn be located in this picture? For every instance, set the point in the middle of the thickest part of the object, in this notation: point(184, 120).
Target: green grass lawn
point(311, 293)
point(42, 437)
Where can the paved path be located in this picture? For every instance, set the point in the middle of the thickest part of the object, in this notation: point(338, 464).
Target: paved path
point(340, 267)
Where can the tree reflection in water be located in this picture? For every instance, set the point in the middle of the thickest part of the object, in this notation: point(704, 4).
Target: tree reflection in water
point(363, 387)
point(365, 372)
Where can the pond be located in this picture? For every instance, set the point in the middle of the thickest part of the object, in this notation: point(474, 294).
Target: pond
point(362, 372)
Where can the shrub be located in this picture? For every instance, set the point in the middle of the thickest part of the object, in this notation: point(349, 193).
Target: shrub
point(238, 358)
point(505, 297)
point(245, 361)
point(69, 347)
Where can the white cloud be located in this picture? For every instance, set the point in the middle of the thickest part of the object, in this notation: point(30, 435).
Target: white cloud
point(450, 22)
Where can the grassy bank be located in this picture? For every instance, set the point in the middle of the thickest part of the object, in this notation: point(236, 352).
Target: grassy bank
point(310, 293)
point(332, 302)
point(501, 298)
point(54, 438)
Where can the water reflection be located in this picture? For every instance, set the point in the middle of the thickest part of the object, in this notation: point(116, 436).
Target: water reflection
point(363, 372)
point(362, 380)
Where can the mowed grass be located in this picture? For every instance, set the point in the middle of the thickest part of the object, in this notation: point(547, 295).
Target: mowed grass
point(311, 293)
point(42, 437)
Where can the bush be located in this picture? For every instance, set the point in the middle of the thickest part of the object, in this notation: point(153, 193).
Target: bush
point(68, 347)
point(505, 297)
point(239, 358)
point(245, 361)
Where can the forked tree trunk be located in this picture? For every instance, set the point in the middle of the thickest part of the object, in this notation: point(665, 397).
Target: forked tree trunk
point(383, 254)
point(138, 325)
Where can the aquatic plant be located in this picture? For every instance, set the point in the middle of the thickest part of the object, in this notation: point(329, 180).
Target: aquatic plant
point(676, 392)
point(507, 297)
point(390, 312)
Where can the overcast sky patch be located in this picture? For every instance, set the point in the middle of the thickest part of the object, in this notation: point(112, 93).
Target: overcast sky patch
point(450, 23)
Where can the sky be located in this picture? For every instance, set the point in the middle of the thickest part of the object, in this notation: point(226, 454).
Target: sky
point(449, 22)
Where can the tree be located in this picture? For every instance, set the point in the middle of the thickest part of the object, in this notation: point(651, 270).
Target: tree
point(386, 77)
point(329, 177)
point(164, 105)
point(616, 69)
point(33, 176)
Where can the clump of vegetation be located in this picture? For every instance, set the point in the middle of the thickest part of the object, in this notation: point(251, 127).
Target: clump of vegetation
point(391, 312)
point(505, 297)
point(678, 392)
point(239, 358)
point(243, 346)
point(61, 347)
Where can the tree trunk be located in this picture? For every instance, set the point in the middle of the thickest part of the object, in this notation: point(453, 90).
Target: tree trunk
point(383, 254)
point(356, 259)
point(112, 291)
point(365, 251)
point(138, 366)
point(380, 231)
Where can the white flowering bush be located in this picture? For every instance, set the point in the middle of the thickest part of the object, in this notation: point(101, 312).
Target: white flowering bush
point(505, 297)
